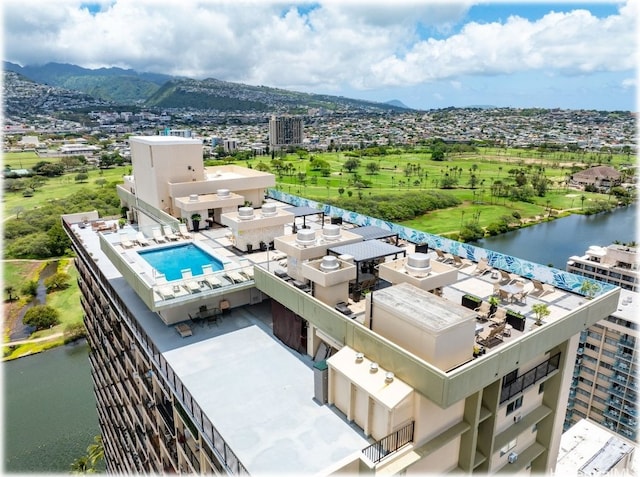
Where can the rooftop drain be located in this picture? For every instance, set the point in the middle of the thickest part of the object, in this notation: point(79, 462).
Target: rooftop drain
point(245, 213)
point(223, 193)
point(194, 198)
point(306, 237)
point(329, 263)
point(269, 210)
point(418, 264)
point(331, 232)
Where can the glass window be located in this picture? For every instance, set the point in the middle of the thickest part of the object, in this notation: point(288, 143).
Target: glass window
point(512, 406)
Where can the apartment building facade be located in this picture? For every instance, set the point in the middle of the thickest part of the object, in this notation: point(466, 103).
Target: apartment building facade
point(285, 131)
point(616, 264)
point(194, 376)
point(604, 388)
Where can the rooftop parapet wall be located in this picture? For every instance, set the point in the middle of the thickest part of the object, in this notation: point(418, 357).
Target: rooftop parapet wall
point(558, 278)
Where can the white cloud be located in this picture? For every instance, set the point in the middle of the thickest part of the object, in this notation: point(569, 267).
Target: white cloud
point(568, 43)
point(325, 46)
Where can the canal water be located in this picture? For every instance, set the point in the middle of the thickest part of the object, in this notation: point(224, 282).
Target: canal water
point(50, 415)
point(552, 243)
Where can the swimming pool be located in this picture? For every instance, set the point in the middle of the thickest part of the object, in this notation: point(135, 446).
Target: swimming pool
point(171, 260)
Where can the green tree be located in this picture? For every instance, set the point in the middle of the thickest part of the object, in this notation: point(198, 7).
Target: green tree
point(57, 281)
point(95, 451)
point(41, 317)
point(10, 290)
point(372, 168)
point(351, 164)
point(81, 177)
point(30, 288)
point(101, 182)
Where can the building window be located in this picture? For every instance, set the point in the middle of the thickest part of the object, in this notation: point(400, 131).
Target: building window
point(508, 447)
point(512, 406)
point(534, 428)
point(541, 388)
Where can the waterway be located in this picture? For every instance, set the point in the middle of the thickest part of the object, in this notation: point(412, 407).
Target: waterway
point(50, 414)
point(552, 243)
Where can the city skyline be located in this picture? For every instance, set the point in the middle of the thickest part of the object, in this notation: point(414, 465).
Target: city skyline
point(573, 55)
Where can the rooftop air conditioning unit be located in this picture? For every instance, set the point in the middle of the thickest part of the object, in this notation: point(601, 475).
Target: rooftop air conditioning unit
point(269, 210)
point(517, 418)
point(331, 232)
point(418, 265)
point(245, 213)
point(513, 457)
point(329, 263)
point(306, 237)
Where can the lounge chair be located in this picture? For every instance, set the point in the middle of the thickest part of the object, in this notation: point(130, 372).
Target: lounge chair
point(483, 310)
point(235, 276)
point(211, 281)
point(163, 288)
point(482, 267)
point(540, 289)
point(182, 230)
point(141, 239)
point(248, 272)
point(125, 241)
point(192, 285)
point(443, 257)
point(169, 233)
point(500, 316)
point(460, 262)
point(508, 277)
point(157, 236)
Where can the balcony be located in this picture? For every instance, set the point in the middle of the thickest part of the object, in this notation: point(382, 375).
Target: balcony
point(530, 378)
point(389, 444)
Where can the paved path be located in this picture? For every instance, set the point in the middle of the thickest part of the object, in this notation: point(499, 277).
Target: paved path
point(34, 340)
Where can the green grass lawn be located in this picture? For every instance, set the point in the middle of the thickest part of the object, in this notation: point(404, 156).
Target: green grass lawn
point(57, 187)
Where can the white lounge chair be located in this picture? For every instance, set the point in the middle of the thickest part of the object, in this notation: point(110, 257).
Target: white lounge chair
point(212, 281)
point(247, 272)
point(182, 230)
point(169, 233)
point(141, 239)
point(235, 276)
point(163, 288)
point(191, 284)
point(157, 236)
point(125, 241)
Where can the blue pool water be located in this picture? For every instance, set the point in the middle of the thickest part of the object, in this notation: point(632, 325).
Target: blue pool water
point(171, 260)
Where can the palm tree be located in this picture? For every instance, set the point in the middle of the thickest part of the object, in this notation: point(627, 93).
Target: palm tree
point(9, 291)
point(95, 451)
point(582, 199)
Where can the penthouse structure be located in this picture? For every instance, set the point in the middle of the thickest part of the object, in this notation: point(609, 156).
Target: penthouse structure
point(604, 388)
point(338, 348)
point(285, 131)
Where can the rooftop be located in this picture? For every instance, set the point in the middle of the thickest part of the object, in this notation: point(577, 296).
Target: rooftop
point(223, 363)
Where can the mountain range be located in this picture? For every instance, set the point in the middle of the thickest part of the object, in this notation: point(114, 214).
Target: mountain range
point(129, 87)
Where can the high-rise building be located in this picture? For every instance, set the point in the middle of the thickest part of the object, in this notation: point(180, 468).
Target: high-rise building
point(604, 388)
point(337, 348)
point(285, 131)
point(617, 264)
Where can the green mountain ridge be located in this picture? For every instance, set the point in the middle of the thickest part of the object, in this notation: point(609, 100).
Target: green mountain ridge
point(128, 87)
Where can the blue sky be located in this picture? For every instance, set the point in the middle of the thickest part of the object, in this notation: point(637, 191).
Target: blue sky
point(428, 55)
